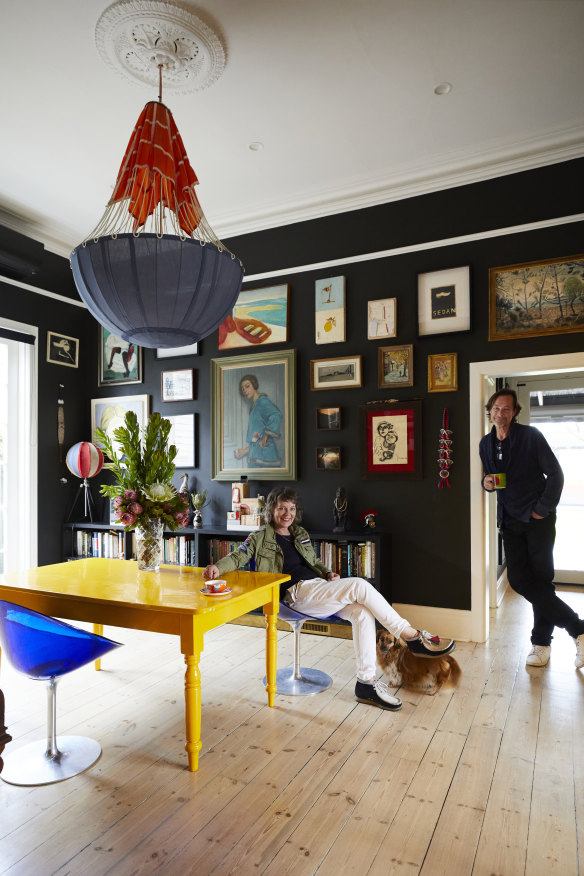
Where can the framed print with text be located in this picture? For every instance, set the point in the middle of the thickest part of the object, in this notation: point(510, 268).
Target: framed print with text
point(444, 301)
point(391, 440)
point(253, 416)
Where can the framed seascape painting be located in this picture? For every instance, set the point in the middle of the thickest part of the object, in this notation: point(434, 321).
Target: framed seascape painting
point(391, 440)
point(328, 458)
point(381, 318)
point(109, 413)
point(444, 301)
point(395, 366)
point(119, 361)
point(536, 298)
point(62, 350)
point(253, 413)
point(442, 372)
point(260, 317)
point(329, 310)
point(341, 372)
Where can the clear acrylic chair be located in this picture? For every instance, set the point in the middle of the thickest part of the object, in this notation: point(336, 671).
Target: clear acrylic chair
point(299, 680)
point(45, 649)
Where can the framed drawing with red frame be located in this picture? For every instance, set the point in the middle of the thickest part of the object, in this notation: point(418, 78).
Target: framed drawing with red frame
point(391, 440)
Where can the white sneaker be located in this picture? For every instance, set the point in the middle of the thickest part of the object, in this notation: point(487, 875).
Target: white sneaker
point(540, 655)
point(579, 661)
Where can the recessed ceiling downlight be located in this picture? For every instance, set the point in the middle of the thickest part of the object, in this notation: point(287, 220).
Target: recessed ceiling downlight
point(443, 88)
point(256, 146)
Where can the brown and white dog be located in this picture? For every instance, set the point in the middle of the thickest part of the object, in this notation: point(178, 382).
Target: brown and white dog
point(400, 666)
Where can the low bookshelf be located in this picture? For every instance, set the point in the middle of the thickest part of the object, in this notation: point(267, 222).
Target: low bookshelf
point(365, 553)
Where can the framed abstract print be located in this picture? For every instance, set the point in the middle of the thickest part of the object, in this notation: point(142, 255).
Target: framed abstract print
point(391, 440)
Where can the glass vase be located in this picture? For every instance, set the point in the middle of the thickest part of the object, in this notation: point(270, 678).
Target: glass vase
point(149, 537)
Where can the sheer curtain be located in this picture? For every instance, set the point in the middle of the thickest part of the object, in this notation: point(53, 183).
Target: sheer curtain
point(18, 446)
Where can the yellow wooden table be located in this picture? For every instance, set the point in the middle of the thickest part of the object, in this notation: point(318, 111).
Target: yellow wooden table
point(115, 593)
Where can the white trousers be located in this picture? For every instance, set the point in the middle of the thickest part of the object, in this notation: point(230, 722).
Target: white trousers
point(355, 600)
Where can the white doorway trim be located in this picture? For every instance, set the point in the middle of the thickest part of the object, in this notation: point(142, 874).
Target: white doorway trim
point(478, 373)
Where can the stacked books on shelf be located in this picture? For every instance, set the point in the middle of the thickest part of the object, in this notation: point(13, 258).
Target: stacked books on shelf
point(246, 513)
point(220, 547)
point(348, 558)
point(106, 544)
point(180, 550)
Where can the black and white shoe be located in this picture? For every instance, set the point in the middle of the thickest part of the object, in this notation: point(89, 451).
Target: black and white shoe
point(376, 694)
point(427, 645)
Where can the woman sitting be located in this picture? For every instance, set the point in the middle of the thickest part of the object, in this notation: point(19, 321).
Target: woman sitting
point(284, 546)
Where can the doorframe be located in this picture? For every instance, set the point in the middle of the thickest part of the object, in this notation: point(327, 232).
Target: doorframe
point(479, 560)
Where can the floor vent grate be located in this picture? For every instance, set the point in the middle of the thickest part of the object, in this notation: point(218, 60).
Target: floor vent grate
point(311, 627)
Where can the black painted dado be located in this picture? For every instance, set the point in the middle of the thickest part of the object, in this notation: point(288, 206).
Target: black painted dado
point(430, 527)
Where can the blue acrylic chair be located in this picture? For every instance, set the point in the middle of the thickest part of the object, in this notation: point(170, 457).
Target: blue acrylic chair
point(45, 649)
point(300, 680)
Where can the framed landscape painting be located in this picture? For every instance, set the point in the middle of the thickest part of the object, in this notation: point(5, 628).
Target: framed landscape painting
point(536, 298)
point(395, 366)
point(341, 372)
point(253, 411)
point(260, 317)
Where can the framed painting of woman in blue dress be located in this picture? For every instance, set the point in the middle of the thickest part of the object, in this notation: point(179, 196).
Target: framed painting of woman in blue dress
point(253, 414)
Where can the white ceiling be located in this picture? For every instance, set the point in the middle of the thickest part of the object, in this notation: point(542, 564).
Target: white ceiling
point(340, 92)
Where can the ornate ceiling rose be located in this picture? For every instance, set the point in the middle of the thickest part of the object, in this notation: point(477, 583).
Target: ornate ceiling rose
point(136, 36)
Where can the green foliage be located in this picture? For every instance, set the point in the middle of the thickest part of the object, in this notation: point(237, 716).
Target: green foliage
point(144, 459)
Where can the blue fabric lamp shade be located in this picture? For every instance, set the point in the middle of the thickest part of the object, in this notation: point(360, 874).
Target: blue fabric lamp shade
point(43, 647)
point(157, 291)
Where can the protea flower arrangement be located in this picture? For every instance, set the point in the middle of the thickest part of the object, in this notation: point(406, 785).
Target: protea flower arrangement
point(143, 470)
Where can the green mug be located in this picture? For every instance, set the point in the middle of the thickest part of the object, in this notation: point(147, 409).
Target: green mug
point(499, 481)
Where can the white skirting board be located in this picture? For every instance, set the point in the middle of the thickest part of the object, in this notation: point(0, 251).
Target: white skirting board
point(451, 622)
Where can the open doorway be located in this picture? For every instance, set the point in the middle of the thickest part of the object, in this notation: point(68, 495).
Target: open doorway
point(555, 405)
point(483, 559)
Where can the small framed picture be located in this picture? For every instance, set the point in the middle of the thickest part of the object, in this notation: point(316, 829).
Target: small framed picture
point(175, 352)
point(444, 301)
point(62, 350)
point(177, 385)
point(329, 310)
point(395, 366)
point(342, 372)
point(328, 458)
point(109, 414)
point(381, 318)
point(442, 372)
point(328, 419)
point(120, 361)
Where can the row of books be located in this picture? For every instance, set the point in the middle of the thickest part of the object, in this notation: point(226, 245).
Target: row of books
point(220, 547)
point(180, 549)
point(107, 544)
point(348, 558)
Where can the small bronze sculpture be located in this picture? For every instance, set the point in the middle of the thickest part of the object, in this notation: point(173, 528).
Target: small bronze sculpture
point(340, 510)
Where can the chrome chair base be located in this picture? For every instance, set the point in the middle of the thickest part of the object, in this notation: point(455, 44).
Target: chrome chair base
point(31, 765)
point(305, 683)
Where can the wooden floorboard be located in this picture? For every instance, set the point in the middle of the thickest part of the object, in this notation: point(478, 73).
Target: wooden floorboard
point(484, 780)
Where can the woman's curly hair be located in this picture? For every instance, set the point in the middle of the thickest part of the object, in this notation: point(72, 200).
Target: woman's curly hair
point(282, 494)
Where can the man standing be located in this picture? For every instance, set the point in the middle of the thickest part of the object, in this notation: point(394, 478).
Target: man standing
point(519, 463)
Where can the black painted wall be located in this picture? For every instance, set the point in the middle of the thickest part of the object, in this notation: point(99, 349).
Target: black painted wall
point(430, 527)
